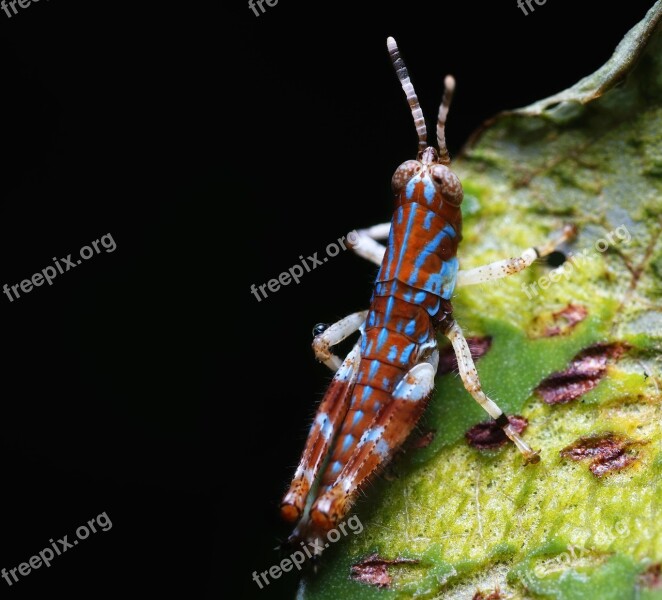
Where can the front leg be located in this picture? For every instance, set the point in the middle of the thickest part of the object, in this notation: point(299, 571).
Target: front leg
point(367, 246)
point(511, 266)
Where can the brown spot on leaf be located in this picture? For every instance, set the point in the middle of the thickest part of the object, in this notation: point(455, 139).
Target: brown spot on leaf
point(488, 435)
point(561, 322)
point(423, 441)
point(616, 463)
point(608, 452)
point(373, 570)
point(583, 373)
point(651, 578)
point(478, 346)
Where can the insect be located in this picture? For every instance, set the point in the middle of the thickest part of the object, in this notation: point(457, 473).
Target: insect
point(380, 390)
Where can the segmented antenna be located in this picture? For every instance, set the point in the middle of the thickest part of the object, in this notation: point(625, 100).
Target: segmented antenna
point(403, 76)
point(449, 88)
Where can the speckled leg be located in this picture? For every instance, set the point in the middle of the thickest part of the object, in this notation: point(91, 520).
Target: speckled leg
point(469, 376)
point(367, 245)
point(329, 417)
point(331, 411)
point(389, 430)
point(334, 334)
point(510, 266)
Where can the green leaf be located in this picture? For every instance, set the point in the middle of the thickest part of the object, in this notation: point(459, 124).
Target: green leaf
point(572, 526)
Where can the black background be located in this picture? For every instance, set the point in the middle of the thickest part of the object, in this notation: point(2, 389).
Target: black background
point(216, 147)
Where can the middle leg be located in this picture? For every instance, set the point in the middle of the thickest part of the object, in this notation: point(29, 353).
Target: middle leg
point(334, 334)
point(511, 266)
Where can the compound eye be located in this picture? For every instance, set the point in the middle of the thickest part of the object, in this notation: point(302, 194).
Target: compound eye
point(403, 174)
point(319, 329)
point(449, 184)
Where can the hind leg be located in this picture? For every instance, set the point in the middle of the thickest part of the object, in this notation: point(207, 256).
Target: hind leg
point(330, 413)
point(329, 417)
point(390, 429)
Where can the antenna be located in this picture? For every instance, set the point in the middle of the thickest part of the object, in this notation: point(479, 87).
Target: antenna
point(403, 76)
point(449, 88)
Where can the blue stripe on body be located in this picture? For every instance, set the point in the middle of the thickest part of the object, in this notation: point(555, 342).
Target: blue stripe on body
point(374, 367)
point(389, 309)
point(397, 217)
point(381, 339)
point(406, 353)
point(430, 248)
point(411, 187)
point(428, 220)
point(347, 442)
point(429, 190)
point(405, 240)
point(449, 277)
point(410, 329)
